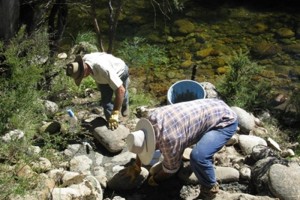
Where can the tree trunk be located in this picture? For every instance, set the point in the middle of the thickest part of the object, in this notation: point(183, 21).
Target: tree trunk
point(56, 24)
point(97, 28)
point(114, 15)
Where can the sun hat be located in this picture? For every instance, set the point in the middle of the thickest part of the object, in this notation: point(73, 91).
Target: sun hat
point(76, 70)
point(142, 141)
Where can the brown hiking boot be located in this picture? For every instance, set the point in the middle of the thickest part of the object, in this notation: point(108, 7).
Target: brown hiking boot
point(208, 192)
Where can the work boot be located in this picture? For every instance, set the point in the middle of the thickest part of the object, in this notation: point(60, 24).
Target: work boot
point(208, 192)
point(125, 110)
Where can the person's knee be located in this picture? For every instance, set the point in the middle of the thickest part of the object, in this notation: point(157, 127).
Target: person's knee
point(198, 157)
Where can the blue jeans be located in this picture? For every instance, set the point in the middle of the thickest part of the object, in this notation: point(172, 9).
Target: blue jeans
point(107, 94)
point(201, 158)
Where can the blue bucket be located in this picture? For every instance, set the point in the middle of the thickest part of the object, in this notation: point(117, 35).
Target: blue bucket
point(185, 90)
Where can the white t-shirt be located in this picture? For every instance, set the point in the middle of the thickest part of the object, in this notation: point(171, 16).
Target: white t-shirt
point(106, 68)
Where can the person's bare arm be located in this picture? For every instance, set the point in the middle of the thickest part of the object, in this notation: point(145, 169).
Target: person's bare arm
point(119, 96)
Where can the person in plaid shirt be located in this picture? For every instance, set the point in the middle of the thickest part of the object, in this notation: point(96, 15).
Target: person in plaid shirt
point(206, 123)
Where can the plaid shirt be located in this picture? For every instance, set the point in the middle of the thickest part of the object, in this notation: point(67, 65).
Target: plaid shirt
point(181, 125)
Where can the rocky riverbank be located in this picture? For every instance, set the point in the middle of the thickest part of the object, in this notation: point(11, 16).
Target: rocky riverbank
point(251, 166)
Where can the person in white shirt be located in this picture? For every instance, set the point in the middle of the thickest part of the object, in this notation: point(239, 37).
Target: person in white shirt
point(112, 77)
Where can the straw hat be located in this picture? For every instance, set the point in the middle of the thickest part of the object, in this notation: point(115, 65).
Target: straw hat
point(76, 70)
point(142, 142)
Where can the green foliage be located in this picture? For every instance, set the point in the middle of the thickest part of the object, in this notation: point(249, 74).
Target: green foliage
point(62, 84)
point(139, 53)
point(86, 83)
point(141, 99)
point(19, 97)
point(241, 85)
point(178, 5)
point(89, 37)
point(14, 185)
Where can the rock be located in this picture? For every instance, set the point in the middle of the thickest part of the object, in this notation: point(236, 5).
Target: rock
point(113, 141)
point(50, 127)
point(247, 142)
point(62, 55)
point(285, 33)
point(43, 165)
point(121, 182)
point(246, 120)
point(33, 150)
point(226, 174)
point(274, 145)
point(261, 151)
point(287, 153)
point(233, 140)
point(13, 135)
point(258, 28)
point(70, 178)
point(183, 26)
point(25, 171)
point(283, 182)
point(98, 193)
point(51, 107)
point(81, 164)
point(210, 90)
point(265, 49)
point(83, 190)
point(260, 173)
point(245, 173)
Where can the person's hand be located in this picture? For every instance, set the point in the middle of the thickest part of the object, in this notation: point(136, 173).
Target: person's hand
point(113, 121)
point(132, 171)
point(157, 175)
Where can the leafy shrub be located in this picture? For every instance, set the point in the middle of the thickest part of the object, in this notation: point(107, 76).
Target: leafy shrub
point(242, 85)
point(24, 58)
point(89, 37)
point(138, 53)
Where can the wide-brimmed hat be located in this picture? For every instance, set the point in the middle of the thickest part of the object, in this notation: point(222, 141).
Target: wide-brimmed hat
point(142, 141)
point(76, 70)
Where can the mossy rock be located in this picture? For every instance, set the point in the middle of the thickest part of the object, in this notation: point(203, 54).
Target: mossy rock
point(222, 70)
point(187, 56)
point(187, 64)
point(258, 28)
point(204, 52)
point(265, 49)
point(184, 26)
point(217, 62)
point(285, 33)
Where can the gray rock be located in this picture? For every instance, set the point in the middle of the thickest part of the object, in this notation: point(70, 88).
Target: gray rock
point(13, 135)
point(284, 181)
point(210, 90)
point(261, 151)
point(245, 173)
point(247, 142)
point(50, 107)
point(246, 120)
point(226, 174)
point(260, 174)
point(81, 164)
point(121, 182)
point(113, 141)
